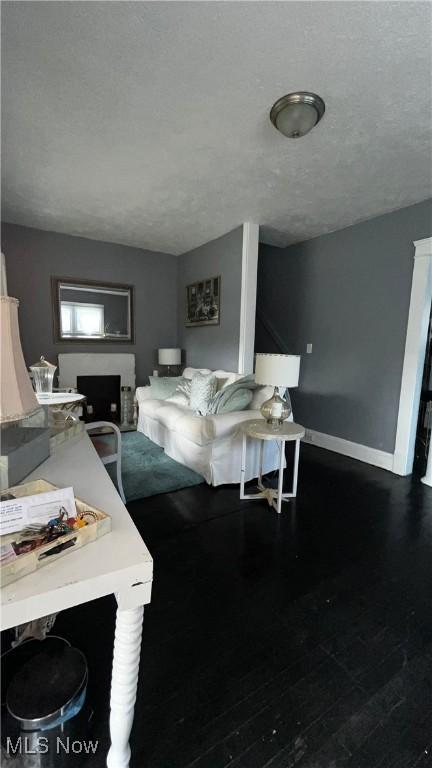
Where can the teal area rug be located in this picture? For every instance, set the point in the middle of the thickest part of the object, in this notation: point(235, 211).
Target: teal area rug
point(147, 470)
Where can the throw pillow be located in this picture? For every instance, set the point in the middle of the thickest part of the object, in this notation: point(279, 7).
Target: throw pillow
point(184, 387)
point(239, 401)
point(203, 390)
point(163, 387)
point(189, 372)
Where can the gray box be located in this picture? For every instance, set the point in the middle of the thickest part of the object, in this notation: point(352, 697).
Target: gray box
point(22, 450)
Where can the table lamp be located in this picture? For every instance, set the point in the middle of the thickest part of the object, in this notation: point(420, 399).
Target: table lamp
point(277, 371)
point(168, 358)
point(21, 449)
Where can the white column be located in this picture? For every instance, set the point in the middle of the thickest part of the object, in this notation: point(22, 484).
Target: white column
point(248, 297)
point(127, 648)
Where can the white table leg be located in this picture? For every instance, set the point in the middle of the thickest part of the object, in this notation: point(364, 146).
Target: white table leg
point(280, 478)
point(296, 463)
point(260, 482)
point(127, 647)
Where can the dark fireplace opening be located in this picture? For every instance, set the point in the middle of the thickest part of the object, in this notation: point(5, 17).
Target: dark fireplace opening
point(102, 397)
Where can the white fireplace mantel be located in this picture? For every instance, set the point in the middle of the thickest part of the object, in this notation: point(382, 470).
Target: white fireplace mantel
point(73, 364)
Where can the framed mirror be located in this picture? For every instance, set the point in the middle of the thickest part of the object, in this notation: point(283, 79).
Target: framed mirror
point(86, 310)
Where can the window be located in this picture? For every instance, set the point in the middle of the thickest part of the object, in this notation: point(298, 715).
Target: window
point(81, 319)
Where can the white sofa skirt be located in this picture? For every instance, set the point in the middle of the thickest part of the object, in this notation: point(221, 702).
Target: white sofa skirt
point(219, 461)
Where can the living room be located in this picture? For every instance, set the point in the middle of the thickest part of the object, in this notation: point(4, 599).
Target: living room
point(254, 182)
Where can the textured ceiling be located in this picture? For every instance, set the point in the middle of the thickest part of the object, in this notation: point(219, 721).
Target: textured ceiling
point(147, 123)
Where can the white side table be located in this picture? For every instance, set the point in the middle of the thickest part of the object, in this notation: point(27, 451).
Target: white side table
point(118, 563)
point(260, 430)
point(61, 404)
point(60, 399)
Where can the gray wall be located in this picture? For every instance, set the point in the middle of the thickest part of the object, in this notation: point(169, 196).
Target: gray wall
point(214, 346)
point(33, 256)
point(348, 293)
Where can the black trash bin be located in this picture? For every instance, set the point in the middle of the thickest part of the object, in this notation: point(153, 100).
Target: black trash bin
point(44, 685)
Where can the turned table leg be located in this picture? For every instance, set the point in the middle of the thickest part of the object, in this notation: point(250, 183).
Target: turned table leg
point(127, 647)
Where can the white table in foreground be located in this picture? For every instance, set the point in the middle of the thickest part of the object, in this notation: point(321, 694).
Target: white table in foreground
point(60, 398)
point(258, 429)
point(119, 563)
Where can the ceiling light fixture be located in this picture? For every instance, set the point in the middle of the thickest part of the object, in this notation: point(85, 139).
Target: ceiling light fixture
point(295, 114)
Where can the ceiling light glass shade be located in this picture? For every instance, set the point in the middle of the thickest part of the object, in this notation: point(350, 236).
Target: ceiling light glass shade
point(295, 114)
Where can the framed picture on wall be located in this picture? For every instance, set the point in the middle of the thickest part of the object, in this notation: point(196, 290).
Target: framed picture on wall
point(203, 302)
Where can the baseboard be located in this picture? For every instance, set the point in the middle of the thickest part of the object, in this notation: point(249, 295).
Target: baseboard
point(347, 448)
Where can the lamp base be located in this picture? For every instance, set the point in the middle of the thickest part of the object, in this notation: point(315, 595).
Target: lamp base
point(277, 409)
point(170, 370)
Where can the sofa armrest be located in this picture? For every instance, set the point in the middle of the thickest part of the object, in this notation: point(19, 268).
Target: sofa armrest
point(226, 424)
point(143, 393)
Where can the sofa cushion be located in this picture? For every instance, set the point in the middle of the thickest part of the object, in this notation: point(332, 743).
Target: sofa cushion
point(179, 398)
point(170, 415)
point(198, 429)
point(151, 406)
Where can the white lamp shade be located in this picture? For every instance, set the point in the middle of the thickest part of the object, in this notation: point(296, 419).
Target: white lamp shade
point(169, 356)
point(17, 398)
point(277, 370)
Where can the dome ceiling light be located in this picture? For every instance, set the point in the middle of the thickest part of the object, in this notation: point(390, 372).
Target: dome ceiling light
point(295, 114)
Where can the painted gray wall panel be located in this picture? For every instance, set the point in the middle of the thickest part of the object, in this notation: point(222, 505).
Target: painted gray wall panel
point(33, 256)
point(348, 293)
point(214, 346)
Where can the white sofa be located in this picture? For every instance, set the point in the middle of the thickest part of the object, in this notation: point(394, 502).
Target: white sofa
point(211, 445)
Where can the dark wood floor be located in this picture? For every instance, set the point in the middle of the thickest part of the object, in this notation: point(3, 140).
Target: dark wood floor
point(303, 639)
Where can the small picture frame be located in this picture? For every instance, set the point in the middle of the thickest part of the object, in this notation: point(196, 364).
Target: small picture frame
point(203, 302)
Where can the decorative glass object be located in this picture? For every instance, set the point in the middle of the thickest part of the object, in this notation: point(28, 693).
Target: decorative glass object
point(43, 375)
point(276, 410)
point(126, 405)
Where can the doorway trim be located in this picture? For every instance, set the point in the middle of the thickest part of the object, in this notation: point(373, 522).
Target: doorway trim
point(415, 349)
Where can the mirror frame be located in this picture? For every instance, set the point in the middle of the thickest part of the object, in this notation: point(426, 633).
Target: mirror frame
point(55, 296)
